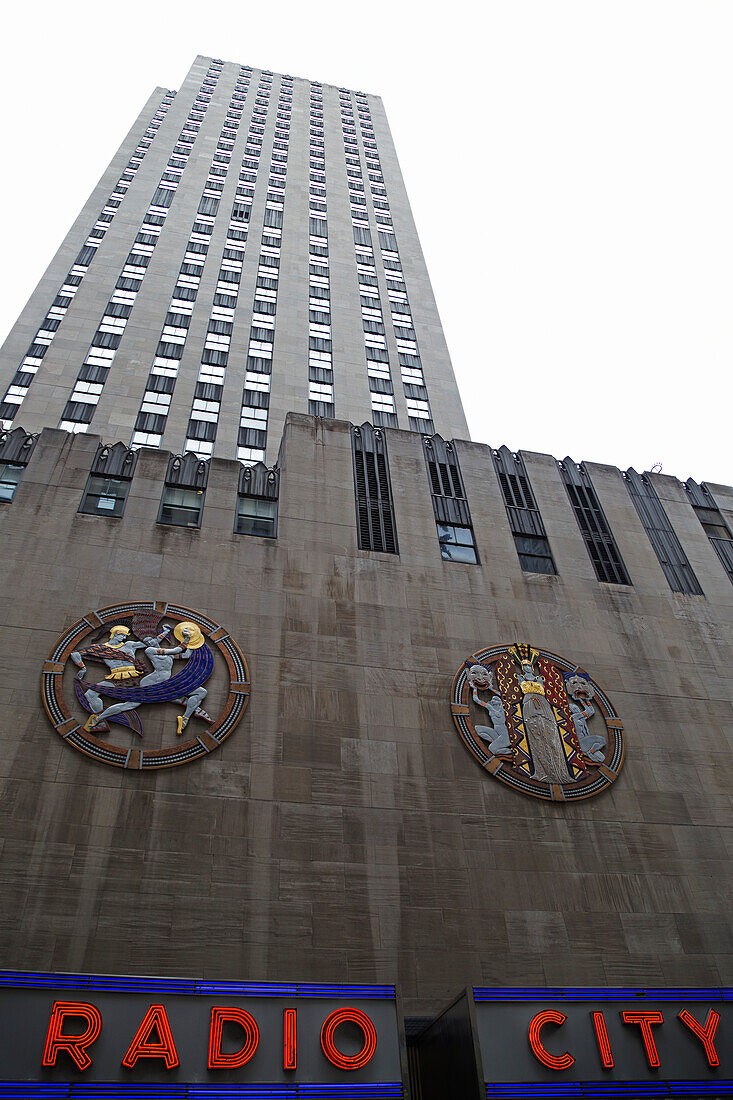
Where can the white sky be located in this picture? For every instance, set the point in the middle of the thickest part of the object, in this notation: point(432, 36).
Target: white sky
point(569, 165)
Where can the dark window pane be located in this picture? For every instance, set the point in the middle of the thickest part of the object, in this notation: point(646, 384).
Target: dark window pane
point(458, 553)
point(256, 517)
point(104, 496)
point(533, 564)
point(181, 507)
point(10, 475)
point(456, 543)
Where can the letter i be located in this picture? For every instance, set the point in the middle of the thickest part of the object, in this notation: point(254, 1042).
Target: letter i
point(604, 1043)
point(290, 1039)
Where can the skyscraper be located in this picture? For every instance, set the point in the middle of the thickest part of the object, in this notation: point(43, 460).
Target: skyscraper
point(452, 717)
point(247, 253)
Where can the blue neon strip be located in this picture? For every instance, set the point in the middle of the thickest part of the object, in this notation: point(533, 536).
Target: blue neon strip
point(546, 994)
point(26, 1091)
point(587, 1090)
point(110, 983)
point(383, 991)
point(247, 989)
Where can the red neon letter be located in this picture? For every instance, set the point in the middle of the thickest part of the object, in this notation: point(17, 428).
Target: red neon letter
point(220, 1016)
point(705, 1034)
point(290, 1038)
point(157, 1018)
point(536, 1024)
point(348, 1061)
point(604, 1043)
point(645, 1020)
point(74, 1045)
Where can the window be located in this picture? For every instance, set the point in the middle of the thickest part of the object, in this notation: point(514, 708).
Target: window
point(450, 506)
point(456, 543)
point(525, 521)
point(104, 496)
point(374, 509)
point(256, 517)
point(10, 475)
point(181, 507)
point(665, 543)
point(713, 523)
point(599, 542)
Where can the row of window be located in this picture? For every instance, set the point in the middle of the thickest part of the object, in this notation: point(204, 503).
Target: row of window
point(379, 375)
point(44, 337)
point(185, 486)
point(377, 531)
point(207, 401)
point(252, 437)
point(179, 506)
point(420, 417)
point(153, 414)
point(87, 390)
point(320, 344)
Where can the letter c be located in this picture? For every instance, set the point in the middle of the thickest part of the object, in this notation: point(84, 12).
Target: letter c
point(564, 1061)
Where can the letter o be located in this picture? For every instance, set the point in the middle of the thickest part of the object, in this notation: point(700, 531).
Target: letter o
point(348, 1061)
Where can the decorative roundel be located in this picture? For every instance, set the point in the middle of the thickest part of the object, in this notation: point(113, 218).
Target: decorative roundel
point(537, 722)
point(145, 661)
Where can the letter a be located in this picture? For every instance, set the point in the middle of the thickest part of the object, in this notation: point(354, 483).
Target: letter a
point(165, 1048)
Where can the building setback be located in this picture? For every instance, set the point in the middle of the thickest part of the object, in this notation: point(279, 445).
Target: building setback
point(230, 393)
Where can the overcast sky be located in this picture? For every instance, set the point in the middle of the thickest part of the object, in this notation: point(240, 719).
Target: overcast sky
point(569, 165)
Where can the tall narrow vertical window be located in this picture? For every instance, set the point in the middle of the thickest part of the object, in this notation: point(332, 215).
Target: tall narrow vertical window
point(665, 543)
point(16, 448)
point(375, 520)
point(450, 506)
point(109, 481)
point(525, 521)
point(599, 542)
point(713, 522)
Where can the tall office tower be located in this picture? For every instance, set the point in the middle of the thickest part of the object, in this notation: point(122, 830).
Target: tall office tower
point(249, 252)
point(304, 696)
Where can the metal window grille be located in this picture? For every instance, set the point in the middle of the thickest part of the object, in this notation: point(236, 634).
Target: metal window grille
point(665, 543)
point(525, 521)
point(599, 541)
point(713, 522)
point(374, 508)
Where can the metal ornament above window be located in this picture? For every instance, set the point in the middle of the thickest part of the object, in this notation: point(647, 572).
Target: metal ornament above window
point(16, 446)
point(157, 655)
point(537, 722)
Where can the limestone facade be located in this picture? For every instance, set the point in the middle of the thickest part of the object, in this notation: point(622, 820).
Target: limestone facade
point(343, 832)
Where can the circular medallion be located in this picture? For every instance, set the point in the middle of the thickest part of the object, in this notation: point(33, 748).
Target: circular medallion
point(537, 722)
point(140, 669)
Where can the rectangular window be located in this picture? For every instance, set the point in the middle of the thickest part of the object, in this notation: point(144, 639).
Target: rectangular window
point(256, 516)
point(525, 521)
point(375, 520)
point(591, 519)
point(10, 475)
point(181, 507)
point(456, 543)
point(665, 543)
point(104, 496)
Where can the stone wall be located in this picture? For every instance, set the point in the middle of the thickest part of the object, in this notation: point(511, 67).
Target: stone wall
point(343, 832)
